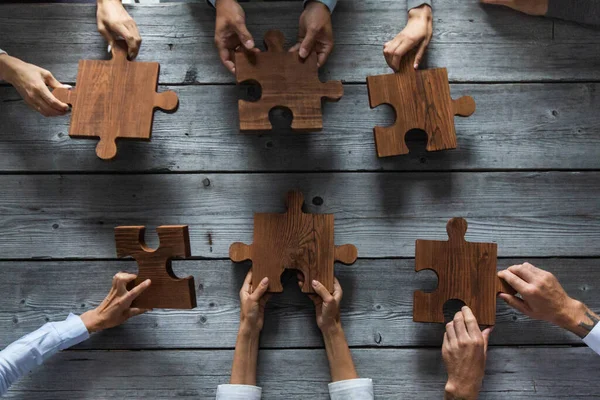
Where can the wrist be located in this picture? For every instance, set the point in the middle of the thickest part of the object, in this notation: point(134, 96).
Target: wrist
point(249, 330)
point(423, 11)
point(224, 2)
point(455, 391)
point(7, 67)
point(571, 314)
point(102, 2)
point(332, 330)
point(317, 4)
point(91, 321)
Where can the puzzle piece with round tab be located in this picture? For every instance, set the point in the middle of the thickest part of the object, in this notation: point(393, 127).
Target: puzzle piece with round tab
point(285, 81)
point(466, 271)
point(293, 240)
point(421, 100)
point(166, 290)
point(115, 99)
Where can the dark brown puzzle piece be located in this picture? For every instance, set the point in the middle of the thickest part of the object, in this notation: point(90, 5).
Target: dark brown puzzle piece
point(285, 81)
point(466, 271)
point(421, 100)
point(293, 240)
point(115, 99)
point(166, 290)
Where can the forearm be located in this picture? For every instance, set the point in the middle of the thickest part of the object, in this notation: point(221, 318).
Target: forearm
point(341, 365)
point(245, 357)
point(578, 318)
point(6, 65)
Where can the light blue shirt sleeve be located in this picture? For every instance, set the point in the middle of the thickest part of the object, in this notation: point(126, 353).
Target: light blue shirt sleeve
point(351, 389)
point(593, 339)
point(33, 349)
point(417, 3)
point(2, 52)
point(329, 3)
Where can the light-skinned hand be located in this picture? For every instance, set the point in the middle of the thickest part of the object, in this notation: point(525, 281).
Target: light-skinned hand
point(114, 22)
point(418, 32)
point(327, 305)
point(543, 298)
point(116, 307)
point(531, 7)
point(252, 304)
point(315, 32)
point(32, 83)
point(464, 352)
point(231, 32)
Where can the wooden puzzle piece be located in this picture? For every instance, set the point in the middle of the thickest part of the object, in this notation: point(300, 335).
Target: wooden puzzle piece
point(421, 100)
point(115, 99)
point(285, 81)
point(466, 271)
point(166, 290)
point(293, 240)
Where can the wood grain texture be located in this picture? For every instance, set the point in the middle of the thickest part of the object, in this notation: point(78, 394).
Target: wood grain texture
point(115, 99)
point(382, 214)
point(376, 309)
point(417, 373)
point(421, 100)
point(285, 81)
point(166, 290)
point(530, 126)
point(466, 271)
point(293, 240)
point(507, 45)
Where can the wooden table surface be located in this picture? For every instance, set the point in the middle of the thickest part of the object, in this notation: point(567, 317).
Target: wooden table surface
point(526, 175)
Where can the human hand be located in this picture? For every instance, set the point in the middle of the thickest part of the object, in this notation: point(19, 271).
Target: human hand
point(116, 307)
point(315, 32)
point(231, 32)
point(543, 297)
point(464, 352)
point(252, 304)
point(327, 305)
point(531, 7)
point(32, 84)
point(418, 32)
point(114, 22)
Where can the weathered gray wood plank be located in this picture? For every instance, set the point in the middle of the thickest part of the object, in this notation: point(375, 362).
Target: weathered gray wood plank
point(544, 373)
point(528, 214)
point(476, 43)
point(377, 306)
point(533, 126)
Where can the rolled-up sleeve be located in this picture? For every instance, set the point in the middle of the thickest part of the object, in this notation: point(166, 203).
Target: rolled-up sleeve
point(329, 3)
point(32, 350)
point(2, 52)
point(418, 3)
point(351, 389)
point(238, 392)
point(593, 339)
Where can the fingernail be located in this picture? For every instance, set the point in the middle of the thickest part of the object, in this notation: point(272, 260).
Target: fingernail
point(109, 48)
point(315, 283)
point(249, 44)
point(416, 66)
point(303, 53)
point(67, 86)
point(265, 281)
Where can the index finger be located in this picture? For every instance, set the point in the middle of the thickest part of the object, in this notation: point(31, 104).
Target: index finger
point(337, 290)
point(136, 291)
point(227, 57)
point(247, 282)
point(513, 280)
point(53, 102)
point(525, 271)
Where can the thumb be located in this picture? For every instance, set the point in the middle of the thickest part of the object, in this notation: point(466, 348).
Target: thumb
point(51, 81)
point(514, 302)
point(421, 53)
point(133, 312)
point(307, 44)
point(486, 335)
point(321, 290)
point(244, 35)
point(106, 34)
point(260, 290)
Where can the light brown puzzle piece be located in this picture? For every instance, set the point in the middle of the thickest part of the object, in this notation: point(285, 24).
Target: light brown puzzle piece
point(285, 81)
point(293, 240)
point(166, 290)
point(421, 100)
point(466, 271)
point(115, 99)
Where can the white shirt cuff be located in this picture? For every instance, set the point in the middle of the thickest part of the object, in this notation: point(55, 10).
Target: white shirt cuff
point(352, 389)
point(238, 392)
point(71, 331)
point(593, 339)
point(417, 3)
point(329, 3)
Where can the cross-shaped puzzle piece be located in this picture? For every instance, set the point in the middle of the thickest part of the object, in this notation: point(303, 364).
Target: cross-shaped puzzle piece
point(293, 240)
point(466, 271)
point(285, 81)
point(115, 99)
point(421, 100)
point(166, 290)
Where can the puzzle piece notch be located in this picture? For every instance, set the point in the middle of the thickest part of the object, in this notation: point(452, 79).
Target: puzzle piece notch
point(421, 100)
point(118, 71)
point(286, 81)
point(166, 290)
point(466, 271)
point(303, 241)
